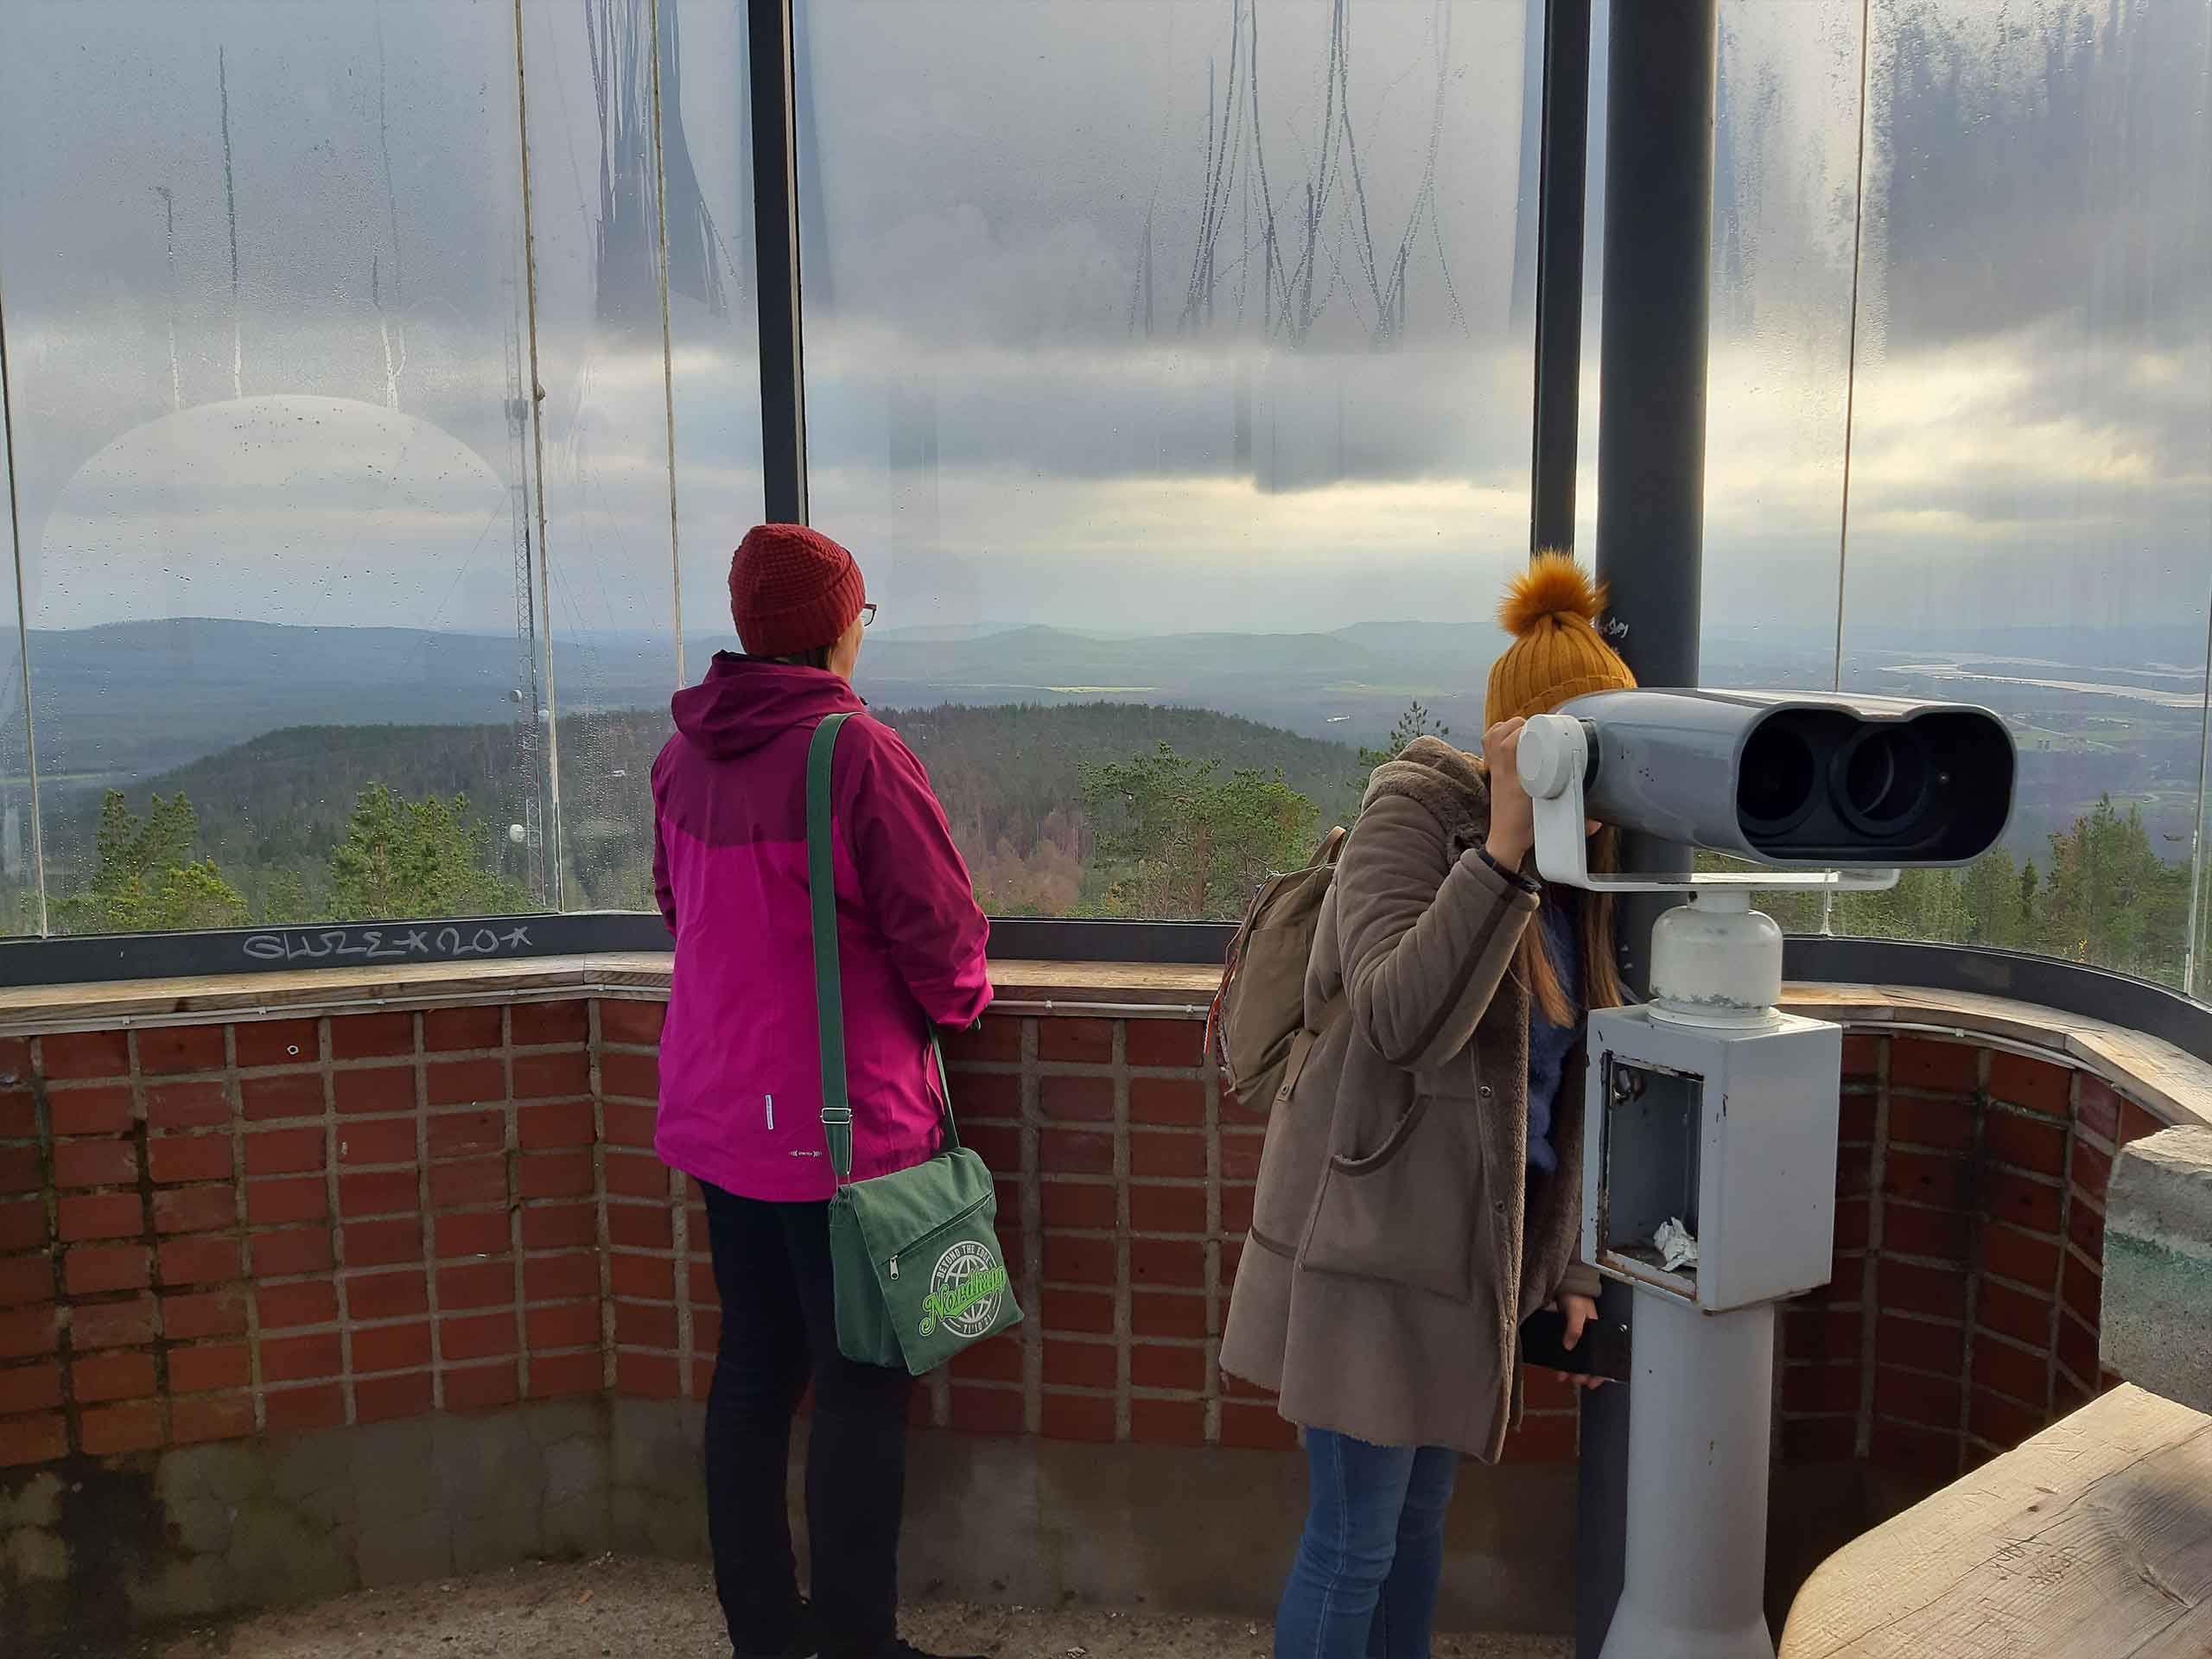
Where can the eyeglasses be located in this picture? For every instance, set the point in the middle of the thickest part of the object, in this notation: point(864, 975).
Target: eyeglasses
point(867, 616)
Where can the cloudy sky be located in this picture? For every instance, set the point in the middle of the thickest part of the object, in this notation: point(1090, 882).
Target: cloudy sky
point(1059, 370)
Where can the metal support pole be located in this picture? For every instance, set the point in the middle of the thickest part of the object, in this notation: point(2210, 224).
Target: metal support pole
point(1701, 1400)
point(1661, 68)
point(775, 220)
point(1659, 107)
point(1564, 156)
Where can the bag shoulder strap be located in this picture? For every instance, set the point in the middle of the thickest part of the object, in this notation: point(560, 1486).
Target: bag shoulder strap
point(829, 978)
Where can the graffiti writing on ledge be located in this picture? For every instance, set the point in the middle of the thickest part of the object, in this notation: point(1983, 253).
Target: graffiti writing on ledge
point(384, 943)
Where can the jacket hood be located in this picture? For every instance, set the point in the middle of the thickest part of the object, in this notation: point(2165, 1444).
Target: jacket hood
point(1449, 784)
point(743, 703)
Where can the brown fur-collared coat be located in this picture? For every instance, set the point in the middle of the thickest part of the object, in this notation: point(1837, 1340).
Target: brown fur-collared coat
point(1399, 1238)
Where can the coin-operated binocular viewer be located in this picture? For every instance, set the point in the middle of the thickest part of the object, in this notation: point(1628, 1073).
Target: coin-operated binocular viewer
point(1710, 1117)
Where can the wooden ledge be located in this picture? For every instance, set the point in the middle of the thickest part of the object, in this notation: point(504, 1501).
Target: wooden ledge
point(2176, 1084)
point(2093, 1540)
point(1026, 987)
point(2171, 1080)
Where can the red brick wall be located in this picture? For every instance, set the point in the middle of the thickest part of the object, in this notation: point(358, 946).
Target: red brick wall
point(216, 1231)
point(1969, 1244)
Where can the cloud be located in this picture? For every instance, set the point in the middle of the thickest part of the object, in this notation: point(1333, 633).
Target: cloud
point(987, 189)
point(281, 509)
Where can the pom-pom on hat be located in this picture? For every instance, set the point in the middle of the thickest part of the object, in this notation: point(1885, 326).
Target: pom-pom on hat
point(1551, 610)
point(793, 590)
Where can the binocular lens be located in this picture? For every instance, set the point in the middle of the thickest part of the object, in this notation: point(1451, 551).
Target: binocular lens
point(1881, 780)
point(1774, 787)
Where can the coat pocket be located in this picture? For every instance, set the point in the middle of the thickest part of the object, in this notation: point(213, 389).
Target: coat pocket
point(1294, 1155)
point(1404, 1210)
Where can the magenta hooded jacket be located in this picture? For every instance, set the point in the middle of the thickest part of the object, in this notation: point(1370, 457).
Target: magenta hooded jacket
point(741, 1071)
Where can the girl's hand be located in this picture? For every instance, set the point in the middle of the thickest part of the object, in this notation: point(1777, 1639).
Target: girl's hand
point(1578, 1312)
point(1512, 815)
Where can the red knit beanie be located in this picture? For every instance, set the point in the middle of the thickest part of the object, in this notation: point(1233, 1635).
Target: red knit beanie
point(793, 590)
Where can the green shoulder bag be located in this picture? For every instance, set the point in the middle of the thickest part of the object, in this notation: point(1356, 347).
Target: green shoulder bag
point(915, 1255)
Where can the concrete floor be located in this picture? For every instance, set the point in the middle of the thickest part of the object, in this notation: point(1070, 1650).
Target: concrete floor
point(619, 1606)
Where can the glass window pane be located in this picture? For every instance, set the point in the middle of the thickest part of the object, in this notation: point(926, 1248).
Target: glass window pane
point(713, 312)
point(606, 593)
point(1166, 355)
point(2197, 971)
point(19, 894)
point(1784, 187)
point(2031, 507)
point(269, 341)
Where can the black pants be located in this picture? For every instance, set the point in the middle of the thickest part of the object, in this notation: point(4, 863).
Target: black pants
point(780, 1331)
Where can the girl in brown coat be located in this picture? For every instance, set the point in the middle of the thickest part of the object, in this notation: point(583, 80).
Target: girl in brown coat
point(1419, 1193)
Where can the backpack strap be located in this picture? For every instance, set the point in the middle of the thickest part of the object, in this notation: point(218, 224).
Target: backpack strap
point(1301, 1048)
point(1215, 1040)
point(829, 978)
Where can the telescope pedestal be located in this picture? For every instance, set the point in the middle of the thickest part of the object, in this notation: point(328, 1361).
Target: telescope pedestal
point(1700, 1406)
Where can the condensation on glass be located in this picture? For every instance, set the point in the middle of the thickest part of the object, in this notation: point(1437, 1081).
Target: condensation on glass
point(1167, 353)
point(342, 516)
point(607, 598)
point(715, 360)
point(1785, 241)
point(2031, 504)
point(1783, 255)
point(1987, 478)
point(19, 885)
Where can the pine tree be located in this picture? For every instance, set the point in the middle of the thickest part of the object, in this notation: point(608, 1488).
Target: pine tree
point(1412, 724)
point(402, 859)
point(288, 904)
point(144, 878)
point(1177, 839)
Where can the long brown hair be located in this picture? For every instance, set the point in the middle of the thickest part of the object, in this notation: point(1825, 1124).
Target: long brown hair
point(1601, 979)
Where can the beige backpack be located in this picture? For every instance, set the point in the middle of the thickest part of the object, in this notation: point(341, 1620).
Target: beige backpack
point(1256, 1030)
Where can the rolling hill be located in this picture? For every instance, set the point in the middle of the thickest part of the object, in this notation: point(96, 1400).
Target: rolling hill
point(1010, 779)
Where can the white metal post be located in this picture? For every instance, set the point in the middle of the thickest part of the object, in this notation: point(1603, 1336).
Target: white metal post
point(1700, 1405)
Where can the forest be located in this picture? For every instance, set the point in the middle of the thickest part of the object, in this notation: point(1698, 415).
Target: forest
point(1100, 810)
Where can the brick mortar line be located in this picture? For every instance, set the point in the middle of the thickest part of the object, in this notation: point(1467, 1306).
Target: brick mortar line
point(512, 1130)
point(2109, 1146)
point(334, 1231)
point(2042, 1178)
point(2058, 1310)
point(602, 1232)
point(1030, 1141)
point(1974, 1331)
point(393, 1061)
point(45, 1197)
point(1124, 1257)
point(141, 1139)
point(428, 1225)
point(1870, 1269)
point(1914, 1316)
point(2073, 1252)
point(66, 1354)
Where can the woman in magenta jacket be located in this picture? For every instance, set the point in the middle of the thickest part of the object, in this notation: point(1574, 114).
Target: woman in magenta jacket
point(741, 1089)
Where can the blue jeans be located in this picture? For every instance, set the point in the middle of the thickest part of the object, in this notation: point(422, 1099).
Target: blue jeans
point(1364, 1584)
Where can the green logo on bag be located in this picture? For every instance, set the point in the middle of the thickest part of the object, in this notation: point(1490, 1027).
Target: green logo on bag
point(965, 1287)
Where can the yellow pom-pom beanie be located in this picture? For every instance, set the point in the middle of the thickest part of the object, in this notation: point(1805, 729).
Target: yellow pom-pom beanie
point(1552, 610)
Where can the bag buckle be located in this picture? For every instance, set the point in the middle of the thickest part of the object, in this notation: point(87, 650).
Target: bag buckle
point(839, 1114)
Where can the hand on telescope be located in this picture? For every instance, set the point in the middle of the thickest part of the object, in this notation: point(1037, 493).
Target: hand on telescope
point(1512, 816)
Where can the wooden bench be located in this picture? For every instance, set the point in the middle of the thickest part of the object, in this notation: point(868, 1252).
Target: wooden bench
point(2093, 1540)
